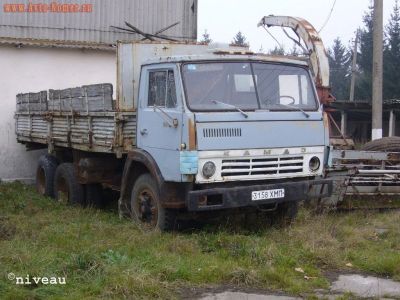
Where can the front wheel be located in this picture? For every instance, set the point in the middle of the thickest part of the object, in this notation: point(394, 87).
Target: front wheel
point(146, 208)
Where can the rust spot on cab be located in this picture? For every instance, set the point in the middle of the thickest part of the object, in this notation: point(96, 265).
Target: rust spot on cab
point(192, 135)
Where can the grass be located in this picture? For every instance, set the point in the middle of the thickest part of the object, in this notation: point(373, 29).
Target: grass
point(104, 257)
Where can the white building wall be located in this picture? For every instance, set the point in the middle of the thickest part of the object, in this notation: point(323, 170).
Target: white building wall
point(29, 69)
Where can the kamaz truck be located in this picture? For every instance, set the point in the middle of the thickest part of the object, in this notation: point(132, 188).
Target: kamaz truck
point(194, 129)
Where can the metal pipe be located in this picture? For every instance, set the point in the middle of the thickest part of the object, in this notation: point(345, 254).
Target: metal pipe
point(379, 171)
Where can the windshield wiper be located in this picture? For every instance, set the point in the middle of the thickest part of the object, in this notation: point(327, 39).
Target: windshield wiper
point(295, 108)
point(232, 106)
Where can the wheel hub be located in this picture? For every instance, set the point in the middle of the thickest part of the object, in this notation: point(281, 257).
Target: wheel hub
point(62, 191)
point(147, 209)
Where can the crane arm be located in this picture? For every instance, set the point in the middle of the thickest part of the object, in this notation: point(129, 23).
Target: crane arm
point(315, 47)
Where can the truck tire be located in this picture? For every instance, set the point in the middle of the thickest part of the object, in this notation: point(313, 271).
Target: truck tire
point(285, 213)
point(67, 189)
point(146, 208)
point(45, 172)
point(387, 144)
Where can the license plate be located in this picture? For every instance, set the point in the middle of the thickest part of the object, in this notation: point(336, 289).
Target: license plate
point(267, 194)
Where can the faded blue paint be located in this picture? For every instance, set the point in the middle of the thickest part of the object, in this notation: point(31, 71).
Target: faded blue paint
point(154, 133)
point(189, 162)
point(261, 130)
point(258, 115)
point(261, 134)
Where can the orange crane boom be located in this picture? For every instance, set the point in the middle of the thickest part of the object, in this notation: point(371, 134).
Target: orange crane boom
point(314, 47)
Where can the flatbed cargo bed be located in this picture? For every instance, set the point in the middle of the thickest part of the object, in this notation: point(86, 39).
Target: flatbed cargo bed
point(84, 121)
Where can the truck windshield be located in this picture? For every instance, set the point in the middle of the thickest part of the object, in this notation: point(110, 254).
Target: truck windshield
point(229, 86)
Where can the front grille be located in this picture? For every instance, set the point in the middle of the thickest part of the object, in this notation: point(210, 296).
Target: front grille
point(221, 132)
point(261, 166)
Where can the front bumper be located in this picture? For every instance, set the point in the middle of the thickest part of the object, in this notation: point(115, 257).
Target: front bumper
point(222, 198)
point(282, 164)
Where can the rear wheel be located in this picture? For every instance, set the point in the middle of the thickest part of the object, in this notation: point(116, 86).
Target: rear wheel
point(67, 189)
point(146, 208)
point(45, 173)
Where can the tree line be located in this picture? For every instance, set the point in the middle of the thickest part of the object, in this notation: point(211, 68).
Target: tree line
point(238, 40)
point(340, 61)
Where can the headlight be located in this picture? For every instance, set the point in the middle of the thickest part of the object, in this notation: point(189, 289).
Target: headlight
point(208, 169)
point(314, 163)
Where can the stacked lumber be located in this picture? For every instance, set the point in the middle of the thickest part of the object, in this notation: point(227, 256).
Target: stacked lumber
point(32, 102)
point(87, 98)
point(95, 97)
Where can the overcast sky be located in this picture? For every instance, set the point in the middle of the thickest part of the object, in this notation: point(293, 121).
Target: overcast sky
point(224, 18)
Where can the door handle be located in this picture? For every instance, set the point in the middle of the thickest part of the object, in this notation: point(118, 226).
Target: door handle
point(143, 131)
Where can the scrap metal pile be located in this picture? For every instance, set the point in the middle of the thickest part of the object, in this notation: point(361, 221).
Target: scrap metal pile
point(370, 173)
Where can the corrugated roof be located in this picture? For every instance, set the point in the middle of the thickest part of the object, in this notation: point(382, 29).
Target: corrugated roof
point(56, 44)
point(94, 27)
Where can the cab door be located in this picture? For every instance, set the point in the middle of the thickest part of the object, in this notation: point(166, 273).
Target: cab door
point(159, 129)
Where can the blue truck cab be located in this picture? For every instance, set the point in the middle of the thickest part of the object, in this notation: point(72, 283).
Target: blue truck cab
point(220, 129)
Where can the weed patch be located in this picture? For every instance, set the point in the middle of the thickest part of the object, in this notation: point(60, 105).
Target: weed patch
point(7, 229)
point(104, 257)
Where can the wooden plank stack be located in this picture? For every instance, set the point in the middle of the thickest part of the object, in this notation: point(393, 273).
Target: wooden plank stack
point(32, 102)
point(88, 98)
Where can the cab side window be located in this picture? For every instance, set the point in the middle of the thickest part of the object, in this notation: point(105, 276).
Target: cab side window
point(162, 90)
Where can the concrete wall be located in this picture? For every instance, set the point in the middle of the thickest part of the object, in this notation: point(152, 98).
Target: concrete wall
point(29, 69)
